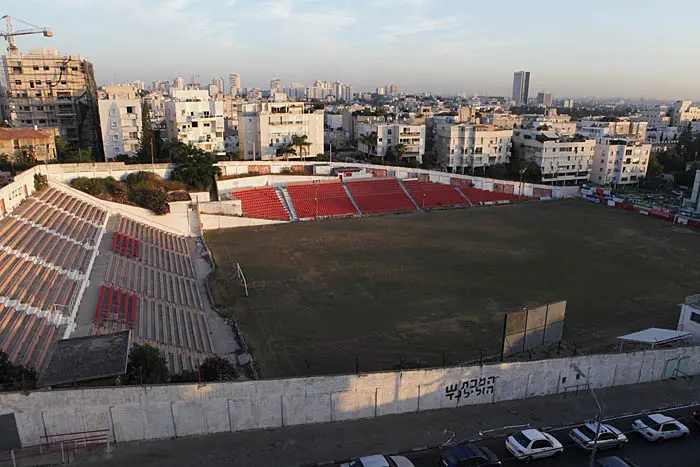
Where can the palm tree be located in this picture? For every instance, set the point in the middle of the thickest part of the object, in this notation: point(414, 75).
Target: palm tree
point(301, 143)
point(401, 150)
point(286, 150)
point(370, 140)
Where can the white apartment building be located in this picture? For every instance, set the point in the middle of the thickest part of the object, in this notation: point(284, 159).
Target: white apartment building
point(235, 80)
point(120, 121)
point(600, 128)
point(389, 135)
point(266, 127)
point(194, 118)
point(684, 112)
point(465, 147)
point(563, 160)
point(619, 161)
point(657, 117)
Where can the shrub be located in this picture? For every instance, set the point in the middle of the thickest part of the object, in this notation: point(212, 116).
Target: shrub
point(40, 182)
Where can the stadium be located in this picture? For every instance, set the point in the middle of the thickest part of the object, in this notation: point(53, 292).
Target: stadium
point(307, 270)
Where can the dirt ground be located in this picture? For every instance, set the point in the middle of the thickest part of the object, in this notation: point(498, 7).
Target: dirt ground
point(431, 288)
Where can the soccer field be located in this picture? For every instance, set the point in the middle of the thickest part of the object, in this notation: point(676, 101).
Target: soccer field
point(432, 287)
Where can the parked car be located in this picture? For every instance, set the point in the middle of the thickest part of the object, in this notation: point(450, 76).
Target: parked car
point(657, 427)
point(608, 437)
point(380, 461)
point(466, 455)
point(696, 417)
point(533, 444)
point(615, 461)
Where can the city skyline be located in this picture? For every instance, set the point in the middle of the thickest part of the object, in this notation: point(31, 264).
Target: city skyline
point(421, 45)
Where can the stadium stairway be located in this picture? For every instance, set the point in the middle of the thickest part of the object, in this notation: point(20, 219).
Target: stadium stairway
point(286, 200)
point(349, 193)
point(403, 187)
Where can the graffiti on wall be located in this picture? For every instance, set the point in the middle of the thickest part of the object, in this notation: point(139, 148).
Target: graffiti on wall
point(474, 387)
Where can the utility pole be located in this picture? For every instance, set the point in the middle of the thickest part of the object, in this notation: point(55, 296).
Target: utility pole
point(601, 409)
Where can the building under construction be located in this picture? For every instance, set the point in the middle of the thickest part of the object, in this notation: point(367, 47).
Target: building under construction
point(46, 89)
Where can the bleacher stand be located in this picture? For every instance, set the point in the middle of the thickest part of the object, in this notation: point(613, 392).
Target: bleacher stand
point(430, 195)
point(380, 195)
point(150, 288)
point(47, 245)
point(321, 199)
point(261, 203)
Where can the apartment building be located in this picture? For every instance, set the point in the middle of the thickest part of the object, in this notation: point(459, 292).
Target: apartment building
point(561, 124)
point(684, 112)
point(657, 117)
point(120, 121)
point(465, 147)
point(388, 136)
point(47, 89)
point(194, 118)
point(503, 120)
point(25, 143)
point(619, 161)
point(602, 127)
point(563, 160)
point(265, 128)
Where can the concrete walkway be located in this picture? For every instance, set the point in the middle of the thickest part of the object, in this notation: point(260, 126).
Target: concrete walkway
point(309, 444)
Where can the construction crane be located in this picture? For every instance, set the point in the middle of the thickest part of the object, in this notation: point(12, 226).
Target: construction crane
point(10, 34)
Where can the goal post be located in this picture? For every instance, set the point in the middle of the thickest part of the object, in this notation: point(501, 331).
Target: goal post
point(241, 277)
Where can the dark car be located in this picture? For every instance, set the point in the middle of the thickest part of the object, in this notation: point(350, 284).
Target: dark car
point(696, 417)
point(466, 455)
point(615, 461)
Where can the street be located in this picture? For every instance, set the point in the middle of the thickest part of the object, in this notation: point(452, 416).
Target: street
point(671, 453)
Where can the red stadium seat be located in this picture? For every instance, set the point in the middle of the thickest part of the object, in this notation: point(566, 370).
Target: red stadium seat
point(380, 195)
point(261, 203)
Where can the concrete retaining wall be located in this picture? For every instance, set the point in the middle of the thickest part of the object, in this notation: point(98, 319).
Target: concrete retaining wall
point(214, 222)
point(139, 413)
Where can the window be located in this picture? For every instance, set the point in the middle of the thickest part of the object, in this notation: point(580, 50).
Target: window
point(63, 83)
point(695, 317)
point(115, 137)
point(18, 82)
point(113, 125)
point(129, 110)
point(36, 68)
point(541, 444)
point(389, 131)
point(195, 124)
point(670, 427)
point(628, 152)
point(46, 68)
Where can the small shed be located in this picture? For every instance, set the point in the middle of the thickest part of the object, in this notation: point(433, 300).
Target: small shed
point(654, 337)
point(87, 361)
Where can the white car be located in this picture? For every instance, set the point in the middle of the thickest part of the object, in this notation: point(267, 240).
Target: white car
point(380, 461)
point(657, 427)
point(533, 444)
point(608, 436)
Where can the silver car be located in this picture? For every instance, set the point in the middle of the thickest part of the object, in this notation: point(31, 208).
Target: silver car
point(608, 437)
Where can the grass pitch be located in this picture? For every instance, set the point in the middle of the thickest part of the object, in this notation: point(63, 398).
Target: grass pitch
point(432, 287)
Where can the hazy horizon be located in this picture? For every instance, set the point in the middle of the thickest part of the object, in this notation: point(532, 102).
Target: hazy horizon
point(602, 49)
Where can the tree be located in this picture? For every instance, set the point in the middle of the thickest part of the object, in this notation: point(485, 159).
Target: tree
point(40, 182)
point(146, 365)
point(369, 140)
point(146, 150)
point(15, 376)
point(301, 143)
point(285, 151)
point(401, 150)
point(196, 169)
point(217, 369)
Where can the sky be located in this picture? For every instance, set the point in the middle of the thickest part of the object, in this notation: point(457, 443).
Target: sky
point(611, 48)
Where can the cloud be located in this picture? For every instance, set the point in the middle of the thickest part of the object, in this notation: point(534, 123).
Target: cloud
point(416, 25)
